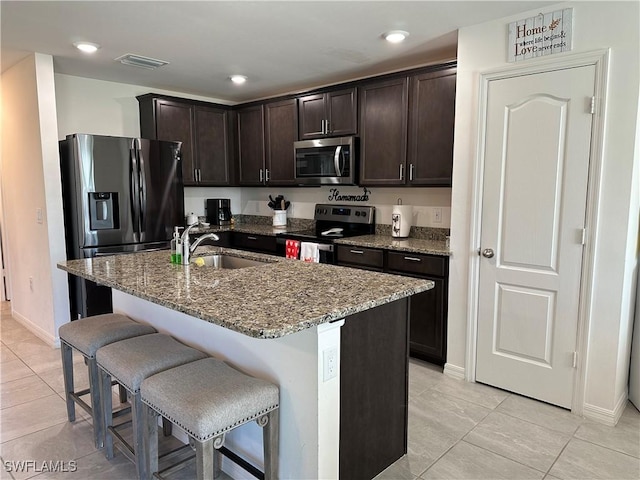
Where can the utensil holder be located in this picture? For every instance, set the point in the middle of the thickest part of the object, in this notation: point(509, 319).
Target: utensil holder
point(280, 218)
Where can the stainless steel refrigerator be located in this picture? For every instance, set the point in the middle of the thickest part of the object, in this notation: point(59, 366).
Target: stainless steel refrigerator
point(121, 195)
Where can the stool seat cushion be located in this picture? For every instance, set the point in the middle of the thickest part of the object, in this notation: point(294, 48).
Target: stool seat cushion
point(88, 334)
point(131, 361)
point(207, 398)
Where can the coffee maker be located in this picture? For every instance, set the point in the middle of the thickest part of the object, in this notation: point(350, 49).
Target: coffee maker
point(219, 211)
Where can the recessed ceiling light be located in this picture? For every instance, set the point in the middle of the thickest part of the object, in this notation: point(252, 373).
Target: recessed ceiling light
point(86, 47)
point(238, 79)
point(395, 36)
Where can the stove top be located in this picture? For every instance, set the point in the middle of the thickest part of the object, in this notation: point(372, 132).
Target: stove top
point(337, 221)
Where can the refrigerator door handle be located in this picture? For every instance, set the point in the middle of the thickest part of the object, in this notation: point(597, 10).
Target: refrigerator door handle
point(143, 191)
point(133, 196)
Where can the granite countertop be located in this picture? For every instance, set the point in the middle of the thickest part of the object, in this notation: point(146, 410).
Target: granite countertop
point(272, 300)
point(387, 242)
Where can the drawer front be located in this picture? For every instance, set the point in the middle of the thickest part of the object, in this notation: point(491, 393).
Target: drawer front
point(417, 264)
point(260, 243)
point(366, 257)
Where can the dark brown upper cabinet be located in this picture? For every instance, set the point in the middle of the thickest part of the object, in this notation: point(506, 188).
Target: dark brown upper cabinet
point(281, 131)
point(203, 131)
point(383, 132)
point(250, 123)
point(266, 134)
point(329, 114)
point(431, 124)
point(406, 130)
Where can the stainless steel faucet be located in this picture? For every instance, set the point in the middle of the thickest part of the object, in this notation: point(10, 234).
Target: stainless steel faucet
point(187, 248)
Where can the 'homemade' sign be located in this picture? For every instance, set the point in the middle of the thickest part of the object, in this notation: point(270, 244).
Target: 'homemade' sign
point(541, 35)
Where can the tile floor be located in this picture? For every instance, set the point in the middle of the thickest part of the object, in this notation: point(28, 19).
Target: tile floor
point(457, 430)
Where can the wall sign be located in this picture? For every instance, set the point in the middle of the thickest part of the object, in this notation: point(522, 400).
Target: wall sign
point(334, 196)
point(544, 34)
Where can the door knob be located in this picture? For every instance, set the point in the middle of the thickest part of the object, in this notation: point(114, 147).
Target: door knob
point(487, 252)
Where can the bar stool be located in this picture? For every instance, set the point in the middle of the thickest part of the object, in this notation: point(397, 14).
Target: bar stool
point(207, 399)
point(86, 336)
point(129, 362)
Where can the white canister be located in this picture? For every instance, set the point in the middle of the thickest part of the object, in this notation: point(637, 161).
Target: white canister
point(279, 218)
point(192, 218)
point(401, 218)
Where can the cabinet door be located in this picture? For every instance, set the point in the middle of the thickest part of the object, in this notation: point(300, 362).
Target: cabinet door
point(342, 112)
point(174, 122)
point(281, 132)
point(312, 114)
point(211, 145)
point(251, 145)
point(367, 258)
point(254, 243)
point(431, 126)
point(383, 132)
point(427, 331)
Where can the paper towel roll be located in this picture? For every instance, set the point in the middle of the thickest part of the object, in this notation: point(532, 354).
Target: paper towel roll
point(401, 218)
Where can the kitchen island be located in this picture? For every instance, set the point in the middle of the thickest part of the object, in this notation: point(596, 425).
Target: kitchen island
point(334, 339)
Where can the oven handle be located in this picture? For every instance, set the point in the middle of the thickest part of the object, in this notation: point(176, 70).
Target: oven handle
point(336, 160)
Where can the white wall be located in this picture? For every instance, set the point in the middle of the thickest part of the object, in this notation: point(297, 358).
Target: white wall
point(93, 106)
point(31, 182)
point(482, 48)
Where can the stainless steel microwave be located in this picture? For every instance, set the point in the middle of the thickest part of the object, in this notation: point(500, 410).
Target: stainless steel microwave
point(326, 161)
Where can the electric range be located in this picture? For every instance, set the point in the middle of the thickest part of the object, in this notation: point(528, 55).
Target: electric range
point(332, 223)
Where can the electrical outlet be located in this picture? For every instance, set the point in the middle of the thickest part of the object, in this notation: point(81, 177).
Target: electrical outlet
point(437, 215)
point(31, 283)
point(330, 362)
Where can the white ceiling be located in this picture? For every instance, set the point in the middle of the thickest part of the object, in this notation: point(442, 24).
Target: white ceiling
point(281, 46)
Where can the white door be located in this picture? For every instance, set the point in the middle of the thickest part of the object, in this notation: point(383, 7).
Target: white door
point(536, 163)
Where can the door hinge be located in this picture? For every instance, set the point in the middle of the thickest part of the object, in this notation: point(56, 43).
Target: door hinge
point(593, 105)
point(575, 360)
point(583, 239)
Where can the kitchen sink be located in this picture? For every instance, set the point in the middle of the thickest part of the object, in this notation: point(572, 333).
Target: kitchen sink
point(225, 261)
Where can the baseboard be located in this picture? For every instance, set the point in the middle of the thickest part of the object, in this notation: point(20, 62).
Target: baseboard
point(38, 331)
point(605, 416)
point(454, 371)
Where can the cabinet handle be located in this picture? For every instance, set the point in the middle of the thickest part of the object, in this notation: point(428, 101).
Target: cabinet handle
point(357, 252)
point(326, 125)
point(199, 175)
point(251, 238)
point(413, 259)
point(261, 176)
point(411, 168)
point(266, 175)
point(401, 171)
point(322, 126)
point(195, 174)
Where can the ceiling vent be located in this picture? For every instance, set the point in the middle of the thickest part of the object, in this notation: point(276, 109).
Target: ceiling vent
point(140, 61)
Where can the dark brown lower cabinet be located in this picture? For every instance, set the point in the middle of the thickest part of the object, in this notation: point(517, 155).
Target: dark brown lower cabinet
point(373, 390)
point(256, 243)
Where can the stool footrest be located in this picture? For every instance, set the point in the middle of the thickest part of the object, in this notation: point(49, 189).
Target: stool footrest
point(76, 398)
point(184, 454)
point(238, 460)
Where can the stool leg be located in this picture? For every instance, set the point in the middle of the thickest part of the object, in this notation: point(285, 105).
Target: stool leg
point(167, 427)
point(107, 405)
point(149, 421)
point(96, 403)
point(67, 373)
point(123, 393)
point(139, 432)
point(204, 459)
point(271, 443)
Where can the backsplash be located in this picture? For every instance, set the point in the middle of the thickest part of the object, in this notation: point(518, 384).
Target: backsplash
point(252, 201)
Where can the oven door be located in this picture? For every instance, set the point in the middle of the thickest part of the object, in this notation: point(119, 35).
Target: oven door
point(326, 250)
point(325, 161)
